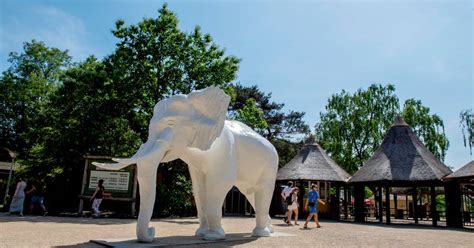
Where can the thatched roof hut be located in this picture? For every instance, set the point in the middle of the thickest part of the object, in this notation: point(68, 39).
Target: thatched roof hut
point(313, 164)
point(464, 173)
point(401, 160)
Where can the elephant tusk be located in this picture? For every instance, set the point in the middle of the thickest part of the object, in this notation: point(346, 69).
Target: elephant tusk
point(111, 166)
point(127, 161)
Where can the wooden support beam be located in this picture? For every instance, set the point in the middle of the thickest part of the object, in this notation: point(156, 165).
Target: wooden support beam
point(83, 186)
point(134, 191)
point(301, 199)
point(415, 205)
point(407, 208)
point(395, 203)
point(359, 196)
point(452, 194)
point(346, 196)
point(380, 205)
point(433, 210)
point(336, 210)
point(387, 204)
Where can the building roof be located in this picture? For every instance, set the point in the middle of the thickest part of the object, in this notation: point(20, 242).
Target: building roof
point(6, 166)
point(312, 163)
point(401, 158)
point(467, 171)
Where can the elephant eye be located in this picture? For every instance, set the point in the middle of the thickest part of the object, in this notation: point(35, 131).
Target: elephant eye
point(171, 123)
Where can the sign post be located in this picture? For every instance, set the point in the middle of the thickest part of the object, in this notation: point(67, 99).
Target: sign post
point(120, 184)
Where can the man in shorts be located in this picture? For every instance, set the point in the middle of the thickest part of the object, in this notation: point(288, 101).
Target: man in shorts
point(312, 203)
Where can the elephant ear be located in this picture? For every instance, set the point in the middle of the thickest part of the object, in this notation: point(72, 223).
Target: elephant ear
point(211, 108)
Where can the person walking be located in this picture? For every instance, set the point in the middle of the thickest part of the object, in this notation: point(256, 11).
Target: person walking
point(18, 199)
point(312, 203)
point(285, 194)
point(37, 198)
point(97, 197)
point(293, 207)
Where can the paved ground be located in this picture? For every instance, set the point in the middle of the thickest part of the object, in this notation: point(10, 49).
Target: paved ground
point(36, 231)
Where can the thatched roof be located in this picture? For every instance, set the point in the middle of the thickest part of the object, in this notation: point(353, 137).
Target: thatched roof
point(467, 171)
point(312, 163)
point(401, 158)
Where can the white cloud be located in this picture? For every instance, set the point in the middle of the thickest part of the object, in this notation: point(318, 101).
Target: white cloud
point(54, 26)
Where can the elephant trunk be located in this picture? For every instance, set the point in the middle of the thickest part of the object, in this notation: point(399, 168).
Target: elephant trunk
point(146, 174)
point(147, 158)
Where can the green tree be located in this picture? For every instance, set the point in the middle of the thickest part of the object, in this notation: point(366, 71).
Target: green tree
point(467, 127)
point(287, 131)
point(353, 126)
point(280, 125)
point(429, 128)
point(251, 115)
point(155, 59)
point(26, 88)
point(66, 111)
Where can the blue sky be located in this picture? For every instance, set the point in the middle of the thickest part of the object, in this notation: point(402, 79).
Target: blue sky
point(301, 51)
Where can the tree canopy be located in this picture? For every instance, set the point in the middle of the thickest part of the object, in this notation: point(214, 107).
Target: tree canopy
point(54, 112)
point(26, 88)
point(155, 59)
point(286, 130)
point(467, 127)
point(353, 125)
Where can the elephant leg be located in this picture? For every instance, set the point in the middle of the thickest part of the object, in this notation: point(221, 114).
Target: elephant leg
point(199, 192)
point(263, 198)
point(146, 175)
point(216, 191)
point(251, 198)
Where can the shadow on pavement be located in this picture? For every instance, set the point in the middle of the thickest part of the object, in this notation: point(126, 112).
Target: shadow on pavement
point(176, 241)
point(410, 226)
point(5, 218)
point(82, 245)
point(184, 222)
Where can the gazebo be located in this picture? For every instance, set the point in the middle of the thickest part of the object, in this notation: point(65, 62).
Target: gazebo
point(461, 198)
point(401, 161)
point(312, 164)
point(464, 174)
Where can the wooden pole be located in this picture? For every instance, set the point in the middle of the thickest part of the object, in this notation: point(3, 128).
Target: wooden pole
point(387, 204)
point(452, 194)
point(359, 197)
point(326, 191)
point(84, 184)
point(301, 200)
point(134, 190)
point(346, 195)
point(336, 204)
point(433, 211)
point(380, 205)
point(395, 205)
point(406, 206)
point(415, 205)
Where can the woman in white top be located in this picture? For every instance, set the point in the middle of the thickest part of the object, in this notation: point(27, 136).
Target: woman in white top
point(293, 207)
point(18, 198)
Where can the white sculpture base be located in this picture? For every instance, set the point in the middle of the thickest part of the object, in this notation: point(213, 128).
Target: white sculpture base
point(241, 238)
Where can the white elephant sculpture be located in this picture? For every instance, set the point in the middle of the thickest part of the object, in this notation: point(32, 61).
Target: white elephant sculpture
point(220, 154)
